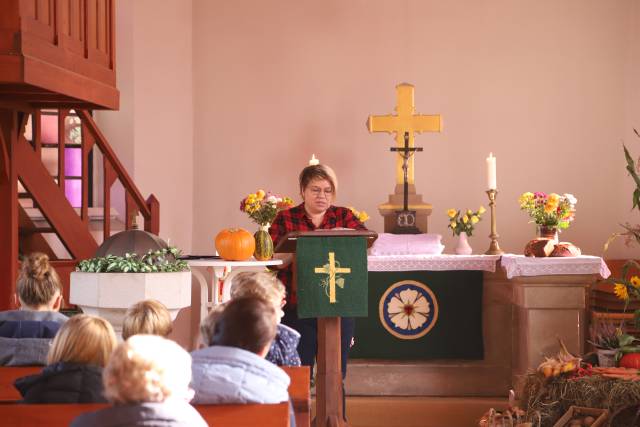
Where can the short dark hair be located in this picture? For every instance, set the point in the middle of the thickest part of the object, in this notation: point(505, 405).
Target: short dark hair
point(248, 323)
point(310, 173)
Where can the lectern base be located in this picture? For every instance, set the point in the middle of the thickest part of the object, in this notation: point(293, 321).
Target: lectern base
point(329, 377)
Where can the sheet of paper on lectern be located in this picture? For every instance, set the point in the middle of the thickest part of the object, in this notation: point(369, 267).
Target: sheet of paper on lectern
point(332, 276)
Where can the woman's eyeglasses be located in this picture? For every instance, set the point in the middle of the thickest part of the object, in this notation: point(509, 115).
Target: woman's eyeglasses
point(327, 192)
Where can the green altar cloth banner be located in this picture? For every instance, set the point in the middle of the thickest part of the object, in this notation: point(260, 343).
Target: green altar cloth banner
point(332, 276)
point(419, 315)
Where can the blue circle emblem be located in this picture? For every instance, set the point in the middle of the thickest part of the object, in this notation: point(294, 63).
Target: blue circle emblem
point(408, 309)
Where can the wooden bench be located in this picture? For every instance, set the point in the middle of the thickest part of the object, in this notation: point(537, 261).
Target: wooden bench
point(53, 415)
point(299, 389)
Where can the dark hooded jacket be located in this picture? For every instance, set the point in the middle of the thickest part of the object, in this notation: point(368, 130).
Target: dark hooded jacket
point(63, 383)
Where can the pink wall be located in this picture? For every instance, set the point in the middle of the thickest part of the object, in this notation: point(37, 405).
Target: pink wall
point(551, 88)
point(153, 131)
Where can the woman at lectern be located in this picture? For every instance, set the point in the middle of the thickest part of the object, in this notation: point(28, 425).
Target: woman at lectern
point(318, 185)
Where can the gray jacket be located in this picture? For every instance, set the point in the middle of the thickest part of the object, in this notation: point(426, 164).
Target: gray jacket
point(23, 346)
point(232, 375)
point(170, 413)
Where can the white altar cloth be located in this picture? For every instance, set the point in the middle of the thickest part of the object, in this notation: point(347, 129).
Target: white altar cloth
point(432, 262)
point(519, 265)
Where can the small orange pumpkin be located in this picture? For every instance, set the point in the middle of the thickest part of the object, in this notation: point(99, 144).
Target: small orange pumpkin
point(235, 244)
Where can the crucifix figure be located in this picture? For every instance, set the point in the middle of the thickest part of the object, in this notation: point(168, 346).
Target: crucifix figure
point(405, 124)
point(406, 219)
point(331, 270)
point(406, 121)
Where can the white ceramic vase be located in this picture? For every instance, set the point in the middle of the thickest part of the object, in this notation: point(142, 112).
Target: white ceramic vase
point(463, 247)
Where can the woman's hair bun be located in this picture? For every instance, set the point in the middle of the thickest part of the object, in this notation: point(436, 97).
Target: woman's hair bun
point(36, 266)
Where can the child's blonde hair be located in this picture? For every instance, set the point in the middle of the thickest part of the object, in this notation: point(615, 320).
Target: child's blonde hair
point(147, 317)
point(147, 368)
point(38, 283)
point(259, 284)
point(83, 339)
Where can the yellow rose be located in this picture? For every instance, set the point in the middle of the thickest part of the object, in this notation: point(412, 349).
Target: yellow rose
point(453, 224)
point(469, 212)
point(481, 210)
point(550, 206)
point(553, 197)
point(621, 291)
point(474, 219)
point(465, 219)
point(635, 281)
point(363, 216)
point(451, 213)
point(260, 194)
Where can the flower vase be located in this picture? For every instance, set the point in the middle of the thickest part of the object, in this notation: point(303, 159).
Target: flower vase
point(463, 247)
point(264, 244)
point(548, 232)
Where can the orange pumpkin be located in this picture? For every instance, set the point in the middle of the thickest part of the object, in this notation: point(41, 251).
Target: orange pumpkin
point(235, 244)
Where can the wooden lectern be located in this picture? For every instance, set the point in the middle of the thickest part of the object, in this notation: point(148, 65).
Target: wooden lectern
point(329, 376)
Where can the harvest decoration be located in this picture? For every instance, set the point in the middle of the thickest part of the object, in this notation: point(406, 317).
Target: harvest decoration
point(235, 244)
point(549, 210)
point(464, 222)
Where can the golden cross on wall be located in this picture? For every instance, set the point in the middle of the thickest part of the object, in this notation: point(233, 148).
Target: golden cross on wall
point(405, 121)
point(331, 270)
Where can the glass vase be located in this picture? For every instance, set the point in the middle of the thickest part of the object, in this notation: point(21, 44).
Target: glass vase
point(548, 232)
point(264, 244)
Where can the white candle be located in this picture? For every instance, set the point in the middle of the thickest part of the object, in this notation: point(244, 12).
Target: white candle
point(314, 161)
point(491, 172)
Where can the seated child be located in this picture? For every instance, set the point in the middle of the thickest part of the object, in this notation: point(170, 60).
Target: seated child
point(265, 285)
point(79, 352)
point(233, 369)
point(148, 317)
point(26, 334)
point(147, 380)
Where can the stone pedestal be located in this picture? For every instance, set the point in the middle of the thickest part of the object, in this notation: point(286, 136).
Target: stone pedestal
point(109, 295)
point(396, 203)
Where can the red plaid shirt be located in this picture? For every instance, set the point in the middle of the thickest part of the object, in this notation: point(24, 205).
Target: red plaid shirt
point(296, 219)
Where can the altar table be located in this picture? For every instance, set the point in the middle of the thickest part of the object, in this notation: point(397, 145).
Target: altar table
point(527, 303)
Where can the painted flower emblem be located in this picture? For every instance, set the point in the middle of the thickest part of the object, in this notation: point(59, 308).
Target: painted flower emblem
point(408, 309)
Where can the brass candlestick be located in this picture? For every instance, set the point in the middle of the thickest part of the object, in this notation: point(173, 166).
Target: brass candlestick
point(494, 247)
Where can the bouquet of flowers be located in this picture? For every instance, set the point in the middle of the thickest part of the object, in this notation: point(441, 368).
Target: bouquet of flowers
point(460, 222)
point(549, 210)
point(263, 207)
point(361, 215)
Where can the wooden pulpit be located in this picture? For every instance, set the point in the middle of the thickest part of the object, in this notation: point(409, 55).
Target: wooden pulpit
point(330, 276)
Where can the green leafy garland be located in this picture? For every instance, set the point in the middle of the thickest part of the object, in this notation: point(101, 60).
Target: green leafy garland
point(159, 261)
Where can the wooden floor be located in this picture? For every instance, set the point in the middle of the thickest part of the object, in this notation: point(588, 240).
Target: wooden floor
point(419, 411)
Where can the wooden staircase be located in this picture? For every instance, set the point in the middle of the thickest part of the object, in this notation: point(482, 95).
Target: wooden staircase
point(57, 57)
point(27, 171)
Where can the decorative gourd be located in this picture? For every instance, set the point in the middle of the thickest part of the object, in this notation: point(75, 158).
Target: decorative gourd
point(235, 244)
point(264, 245)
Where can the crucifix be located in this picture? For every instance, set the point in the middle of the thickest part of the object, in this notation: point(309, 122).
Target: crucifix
point(331, 270)
point(405, 124)
point(406, 219)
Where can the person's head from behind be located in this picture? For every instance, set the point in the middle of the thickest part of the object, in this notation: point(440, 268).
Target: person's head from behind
point(260, 284)
point(248, 323)
point(318, 187)
point(38, 287)
point(148, 368)
point(149, 317)
point(83, 339)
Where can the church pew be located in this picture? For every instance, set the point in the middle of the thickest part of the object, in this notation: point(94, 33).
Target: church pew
point(300, 393)
point(54, 415)
point(299, 389)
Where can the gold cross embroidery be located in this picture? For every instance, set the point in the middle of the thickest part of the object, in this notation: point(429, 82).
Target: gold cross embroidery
point(331, 270)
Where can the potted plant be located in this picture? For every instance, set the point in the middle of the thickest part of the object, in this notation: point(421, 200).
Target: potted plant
point(462, 225)
point(107, 286)
point(607, 338)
